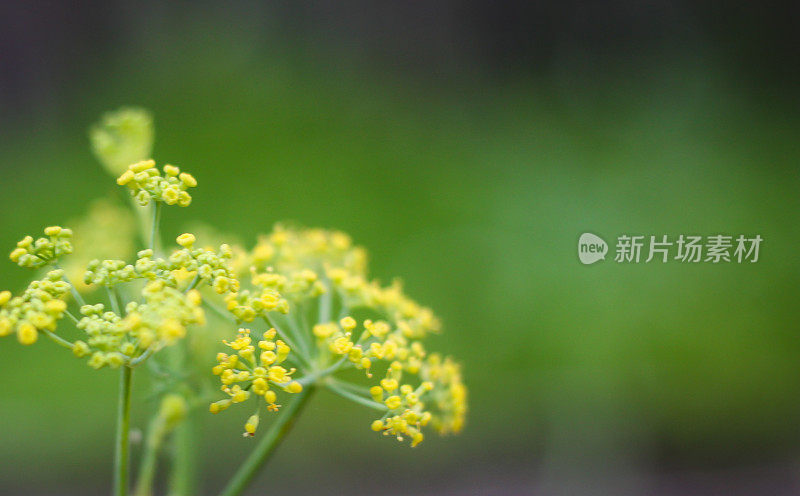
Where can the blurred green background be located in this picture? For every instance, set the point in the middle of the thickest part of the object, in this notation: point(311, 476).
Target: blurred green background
point(471, 177)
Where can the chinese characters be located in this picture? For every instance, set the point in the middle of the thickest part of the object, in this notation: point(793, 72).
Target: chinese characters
point(718, 248)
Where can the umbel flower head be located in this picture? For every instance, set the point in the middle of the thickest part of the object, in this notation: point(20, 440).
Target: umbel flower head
point(324, 282)
point(43, 251)
point(254, 368)
point(118, 334)
point(147, 184)
point(37, 309)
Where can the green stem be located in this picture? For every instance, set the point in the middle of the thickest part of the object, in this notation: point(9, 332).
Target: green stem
point(325, 302)
point(144, 356)
point(113, 299)
point(344, 393)
point(58, 339)
point(193, 284)
point(299, 353)
point(224, 315)
point(72, 317)
point(154, 244)
point(317, 374)
point(122, 448)
point(75, 294)
point(147, 468)
point(183, 475)
point(355, 388)
point(184, 463)
point(144, 216)
point(267, 445)
point(300, 336)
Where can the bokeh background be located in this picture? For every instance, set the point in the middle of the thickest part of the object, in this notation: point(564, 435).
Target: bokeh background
point(467, 145)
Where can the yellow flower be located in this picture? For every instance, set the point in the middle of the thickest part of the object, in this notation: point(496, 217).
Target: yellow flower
point(26, 333)
point(146, 184)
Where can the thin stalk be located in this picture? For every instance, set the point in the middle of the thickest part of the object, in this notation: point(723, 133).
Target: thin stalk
point(147, 467)
point(356, 397)
point(144, 216)
point(299, 352)
point(72, 317)
point(297, 331)
point(356, 388)
point(325, 303)
point(193, 284)
point(58, 339)
point(267, 445)
point(144, 356)
point(78, 298)
point(314, 376)
point(154, 228)
point(218, 311)
point(183, 478)
point(122, 447)
point(113, 298)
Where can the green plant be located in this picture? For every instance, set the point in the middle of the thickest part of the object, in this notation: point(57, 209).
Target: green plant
point(298, 306)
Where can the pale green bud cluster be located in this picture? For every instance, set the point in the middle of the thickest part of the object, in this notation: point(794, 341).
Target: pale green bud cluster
point(147, 184)
point(109, 273)
point(114, 340)
point(34, 254)
point(163, 317)
point(246, 305)
point(39, 308)
point(298, 285)
point(106, 338)
point(212, 268)
point(121, 138)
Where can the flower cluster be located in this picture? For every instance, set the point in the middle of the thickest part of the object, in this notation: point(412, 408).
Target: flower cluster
point(322, 274)
point(114, 340)
point(164, 315)
point(211, 267)
point(416, 389)
point(246, 305)
point(147, 184)
point(252, 369)
point(37, 309)
point(309, 262)
point(43, 251)
point(405, 415)
point(289, 251)
point(109, 273)
point(205, 265)
point(448, 395)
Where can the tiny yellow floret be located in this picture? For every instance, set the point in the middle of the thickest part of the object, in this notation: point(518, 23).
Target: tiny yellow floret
point(186, 240)
point(27, 333)
point(348, 323)
point(188, 179)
